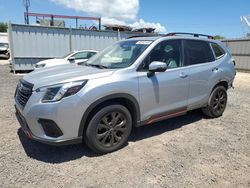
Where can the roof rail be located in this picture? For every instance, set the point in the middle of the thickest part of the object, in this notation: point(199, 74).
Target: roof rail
point(149, 35)
point(193, 34)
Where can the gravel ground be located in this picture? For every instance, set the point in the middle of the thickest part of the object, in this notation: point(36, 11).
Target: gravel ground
point(188, 151)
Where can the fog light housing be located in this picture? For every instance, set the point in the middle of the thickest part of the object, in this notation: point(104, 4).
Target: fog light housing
point(50, 128)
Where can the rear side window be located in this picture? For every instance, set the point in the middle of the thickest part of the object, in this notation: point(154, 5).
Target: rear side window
point(198, 52)
point(218, 51)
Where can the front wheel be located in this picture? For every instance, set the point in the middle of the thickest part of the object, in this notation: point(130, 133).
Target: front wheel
point(217, 103)
point(109, 129)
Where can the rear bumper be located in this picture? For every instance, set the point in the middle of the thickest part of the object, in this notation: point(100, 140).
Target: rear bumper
point(230, 83)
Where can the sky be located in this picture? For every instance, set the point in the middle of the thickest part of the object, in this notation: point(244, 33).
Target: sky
point(214, 17)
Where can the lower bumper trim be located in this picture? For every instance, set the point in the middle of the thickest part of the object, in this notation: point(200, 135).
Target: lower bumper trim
point(60, 142)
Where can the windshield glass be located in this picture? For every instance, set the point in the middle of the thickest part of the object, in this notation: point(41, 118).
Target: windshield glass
point(63, 57)
point(119, 55)
point(4, 45)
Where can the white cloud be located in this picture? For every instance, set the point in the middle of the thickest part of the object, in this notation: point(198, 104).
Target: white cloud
point(111, 11)
point(106, 20)
point(141, 23)
point(123, 10)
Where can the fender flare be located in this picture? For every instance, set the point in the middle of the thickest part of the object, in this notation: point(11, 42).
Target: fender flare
point(108, 98)
point(217, 83)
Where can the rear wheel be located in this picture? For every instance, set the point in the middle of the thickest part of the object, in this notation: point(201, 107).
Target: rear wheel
point(217, 102)
point(109, 129)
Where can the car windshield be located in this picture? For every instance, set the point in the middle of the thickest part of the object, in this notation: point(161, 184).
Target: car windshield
point(63, 57)
point(119, 55)
point(4, 45)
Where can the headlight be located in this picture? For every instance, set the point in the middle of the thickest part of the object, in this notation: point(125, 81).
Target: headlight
point(39, 65)
point(57, 92)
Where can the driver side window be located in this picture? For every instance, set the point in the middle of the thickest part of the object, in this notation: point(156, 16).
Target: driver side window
point(169, 52)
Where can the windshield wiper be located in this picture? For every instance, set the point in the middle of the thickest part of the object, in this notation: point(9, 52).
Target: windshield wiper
point(96, 65)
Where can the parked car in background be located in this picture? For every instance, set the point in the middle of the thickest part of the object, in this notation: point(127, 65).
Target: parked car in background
point(134, 82)
point(4, 51)
point(80, 56)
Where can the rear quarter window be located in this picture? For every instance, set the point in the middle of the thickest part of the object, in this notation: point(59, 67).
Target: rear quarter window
point(218, 51)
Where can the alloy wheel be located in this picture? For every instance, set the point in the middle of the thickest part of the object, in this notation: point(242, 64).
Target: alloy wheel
point(219, 102)
point(111, 129)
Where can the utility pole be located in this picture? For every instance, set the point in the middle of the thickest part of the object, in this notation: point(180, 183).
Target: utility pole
point(26, 4)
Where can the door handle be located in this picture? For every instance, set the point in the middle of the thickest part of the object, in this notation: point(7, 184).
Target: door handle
point(183, 75)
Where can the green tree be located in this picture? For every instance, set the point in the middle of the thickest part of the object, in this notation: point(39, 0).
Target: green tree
point(218, 37)
point(3, 27)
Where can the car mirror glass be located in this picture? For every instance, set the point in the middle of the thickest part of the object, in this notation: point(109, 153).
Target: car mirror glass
point(71, 58)
point(157, 66)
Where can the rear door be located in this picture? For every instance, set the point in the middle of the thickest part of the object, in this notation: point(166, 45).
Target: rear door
point(164, 94)
point(202, 71)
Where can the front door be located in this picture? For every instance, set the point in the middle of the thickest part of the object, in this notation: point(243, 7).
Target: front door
point(164, 94)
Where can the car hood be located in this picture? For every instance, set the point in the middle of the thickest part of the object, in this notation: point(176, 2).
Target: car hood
point(64, 73)
point(51, 62)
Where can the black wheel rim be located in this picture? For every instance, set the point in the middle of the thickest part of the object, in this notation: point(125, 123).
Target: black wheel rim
point(219, 102)
point(111, 129)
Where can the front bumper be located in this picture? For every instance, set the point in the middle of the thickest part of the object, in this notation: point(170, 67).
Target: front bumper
point(67, 114)
point(30, 135)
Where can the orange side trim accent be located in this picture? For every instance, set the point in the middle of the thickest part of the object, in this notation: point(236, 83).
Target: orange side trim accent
point(151, 120)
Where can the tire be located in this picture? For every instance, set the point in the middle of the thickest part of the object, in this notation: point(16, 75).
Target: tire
point(109, 129)
point(217, 103)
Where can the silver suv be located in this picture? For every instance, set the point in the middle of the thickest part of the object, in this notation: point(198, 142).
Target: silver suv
point(134, 82)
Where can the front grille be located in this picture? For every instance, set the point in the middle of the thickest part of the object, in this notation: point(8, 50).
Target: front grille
point(23, 92)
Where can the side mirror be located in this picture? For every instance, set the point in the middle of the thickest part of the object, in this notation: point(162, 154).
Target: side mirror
point(82, 62)
point(157, 66)
point(71, 58)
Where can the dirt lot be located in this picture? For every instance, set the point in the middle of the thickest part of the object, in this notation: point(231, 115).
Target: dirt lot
point(189, 151)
